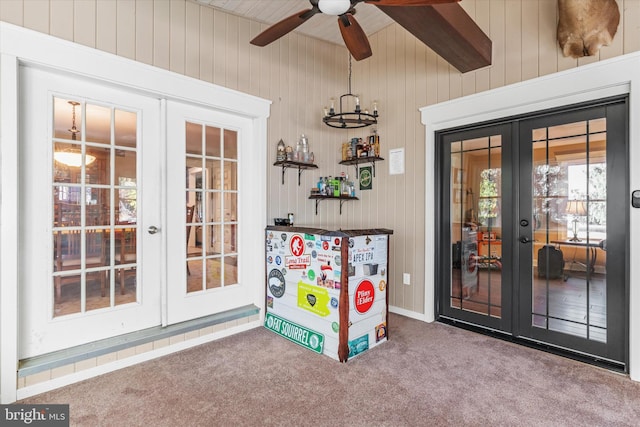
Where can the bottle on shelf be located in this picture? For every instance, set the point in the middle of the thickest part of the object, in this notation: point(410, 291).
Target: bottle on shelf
point(346, 186)
point(336, 187)
point(281, 155)
point(376, 143)
point(304, 143)
point(354, 147)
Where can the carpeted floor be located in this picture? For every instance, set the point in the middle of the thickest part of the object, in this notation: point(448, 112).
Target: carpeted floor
point(426, 375)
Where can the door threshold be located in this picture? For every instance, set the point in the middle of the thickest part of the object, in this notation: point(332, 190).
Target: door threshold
point(590, 359)
point(59, 358)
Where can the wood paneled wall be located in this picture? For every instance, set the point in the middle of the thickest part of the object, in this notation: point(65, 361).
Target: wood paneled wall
point(299, 75)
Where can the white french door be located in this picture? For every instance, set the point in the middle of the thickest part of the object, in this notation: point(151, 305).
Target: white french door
point(90, 174)
point(207, 161)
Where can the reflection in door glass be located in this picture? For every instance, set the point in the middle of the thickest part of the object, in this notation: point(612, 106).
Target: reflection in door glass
point(569, 221)
point(476, 225)
point(212, 220)
point(95, 207)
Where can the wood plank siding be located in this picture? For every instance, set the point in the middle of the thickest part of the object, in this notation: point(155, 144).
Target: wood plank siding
point(299, 74)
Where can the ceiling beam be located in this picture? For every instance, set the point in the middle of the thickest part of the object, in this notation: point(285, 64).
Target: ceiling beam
point(448, 30)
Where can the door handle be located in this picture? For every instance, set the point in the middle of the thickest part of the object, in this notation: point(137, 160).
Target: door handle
point(153, 229)
point(524, 239)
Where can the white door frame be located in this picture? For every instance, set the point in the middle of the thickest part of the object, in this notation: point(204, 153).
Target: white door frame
point(22, 46)
point(616, 76)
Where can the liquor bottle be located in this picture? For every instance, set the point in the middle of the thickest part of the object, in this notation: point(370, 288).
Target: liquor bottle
point(280, 153)
point(376, 143)
point(345, 191)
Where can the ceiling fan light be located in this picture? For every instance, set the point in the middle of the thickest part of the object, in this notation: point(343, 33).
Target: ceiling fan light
point(334, 7)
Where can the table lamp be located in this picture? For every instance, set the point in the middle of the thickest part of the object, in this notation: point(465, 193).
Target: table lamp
point(576, 209)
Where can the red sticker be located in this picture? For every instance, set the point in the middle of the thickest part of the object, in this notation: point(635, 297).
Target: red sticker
point(296, 245)
point(337, 241)
point(364, 296)
point(325, 245)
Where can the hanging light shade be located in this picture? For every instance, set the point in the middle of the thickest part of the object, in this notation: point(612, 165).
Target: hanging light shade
point(72, 156)
point(349, 119)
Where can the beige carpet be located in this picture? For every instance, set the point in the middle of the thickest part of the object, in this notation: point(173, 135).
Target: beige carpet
point(426, 375)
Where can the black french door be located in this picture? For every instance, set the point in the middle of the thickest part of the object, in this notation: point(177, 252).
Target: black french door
point(533, 217)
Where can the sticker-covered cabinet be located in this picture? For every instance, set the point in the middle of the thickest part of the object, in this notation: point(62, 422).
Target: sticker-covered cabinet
point(328, 290)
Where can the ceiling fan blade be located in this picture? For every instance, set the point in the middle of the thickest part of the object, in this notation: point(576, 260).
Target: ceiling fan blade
point(449, 31)
point(354, 37)
point(407, 2)
point(283, 27)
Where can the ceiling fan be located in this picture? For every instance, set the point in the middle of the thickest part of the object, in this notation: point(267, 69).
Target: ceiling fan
point(441, 24)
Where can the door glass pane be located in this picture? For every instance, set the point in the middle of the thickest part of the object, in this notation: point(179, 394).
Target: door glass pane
point(88, 201)
point(230, 175)
point(569, 213)
point(476, 225)
point(125, 128)
point(230, 144)
point(214, 239)
point(214, 174)
point(214, 204)
point(230, 270)
point(231, 206)
point(212, 146)
point(214, 268)
point(98, 124)
point(99, 171)
point(67, 119)
point(193, 139)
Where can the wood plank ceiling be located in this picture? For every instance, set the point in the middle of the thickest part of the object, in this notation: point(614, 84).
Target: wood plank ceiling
point(445, 28)
point(323, 27)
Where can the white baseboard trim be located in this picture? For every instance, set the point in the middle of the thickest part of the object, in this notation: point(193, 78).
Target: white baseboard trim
point(53, 384)
point(407, 313)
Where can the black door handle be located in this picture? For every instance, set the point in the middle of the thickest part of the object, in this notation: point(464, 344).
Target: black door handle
point(525, 239)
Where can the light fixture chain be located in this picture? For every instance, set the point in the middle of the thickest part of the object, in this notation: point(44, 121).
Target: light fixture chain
point(349, 74)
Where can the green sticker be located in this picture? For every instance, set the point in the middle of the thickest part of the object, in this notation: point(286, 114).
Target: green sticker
point(335, 326)
point(300, 335)
point(314, 299)
point(312, 275)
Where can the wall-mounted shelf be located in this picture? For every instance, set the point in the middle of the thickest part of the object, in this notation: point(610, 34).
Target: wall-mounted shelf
point(291, 164)
point(318, 198)
point(356, 161)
